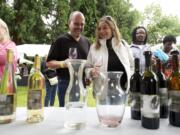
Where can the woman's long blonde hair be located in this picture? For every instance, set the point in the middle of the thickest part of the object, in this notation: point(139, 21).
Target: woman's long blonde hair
point(6, 36)
point(113, 26)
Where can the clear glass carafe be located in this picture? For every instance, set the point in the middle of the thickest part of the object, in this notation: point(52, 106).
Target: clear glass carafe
point(110, 98)
point(75, 99)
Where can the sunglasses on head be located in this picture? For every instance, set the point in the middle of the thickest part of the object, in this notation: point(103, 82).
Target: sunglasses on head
point(108, 18)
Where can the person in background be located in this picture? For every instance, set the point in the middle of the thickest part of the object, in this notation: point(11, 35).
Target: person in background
point(139, 45)
point(5, 44)
point(108, 53)
point(59, 51)
point(50, 87)
point(169, 46)
point(24, 70)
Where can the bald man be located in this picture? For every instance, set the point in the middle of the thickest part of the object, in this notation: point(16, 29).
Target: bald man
point(59, 51)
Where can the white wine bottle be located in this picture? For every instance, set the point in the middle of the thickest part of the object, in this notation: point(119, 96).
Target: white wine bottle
point(8, 92)
point(35, 98)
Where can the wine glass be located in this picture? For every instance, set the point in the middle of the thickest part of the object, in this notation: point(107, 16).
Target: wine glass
point(97, 65)
point(72, 53)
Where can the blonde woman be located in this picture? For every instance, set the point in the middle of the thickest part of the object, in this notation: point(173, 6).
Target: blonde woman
point(109, 53)
point(5, 44)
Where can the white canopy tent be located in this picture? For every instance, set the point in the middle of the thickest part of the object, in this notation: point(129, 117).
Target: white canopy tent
point(23, 60)
point(33, 49)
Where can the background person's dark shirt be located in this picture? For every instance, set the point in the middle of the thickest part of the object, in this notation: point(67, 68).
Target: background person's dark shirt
point(60, 51)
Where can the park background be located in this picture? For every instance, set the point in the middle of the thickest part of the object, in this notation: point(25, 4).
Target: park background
point(42, 21)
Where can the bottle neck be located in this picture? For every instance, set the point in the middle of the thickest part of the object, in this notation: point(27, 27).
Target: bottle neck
point(158, 65)
point(37, 63)
point(175, 63)
point(136, 65)
point(9, 62)
point(148, 60)
point(9, 56)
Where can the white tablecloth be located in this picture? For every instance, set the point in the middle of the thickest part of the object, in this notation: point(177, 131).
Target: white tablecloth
point(53, 125)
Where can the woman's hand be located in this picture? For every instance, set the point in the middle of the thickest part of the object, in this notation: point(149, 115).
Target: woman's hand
point(95, 71)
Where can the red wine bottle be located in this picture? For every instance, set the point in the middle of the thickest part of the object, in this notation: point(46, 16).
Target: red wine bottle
point(135, 82)
point(163, 93)
point(174, 93)
point(150, 103)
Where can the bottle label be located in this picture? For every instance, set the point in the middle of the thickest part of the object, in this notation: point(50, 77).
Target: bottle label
point(175, 100)
point(34, 99)
point(163, 93)
point(6, 105)
point(136, 101)
point(150, 106)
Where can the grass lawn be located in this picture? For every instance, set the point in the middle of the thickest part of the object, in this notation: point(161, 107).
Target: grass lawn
point(22, 97)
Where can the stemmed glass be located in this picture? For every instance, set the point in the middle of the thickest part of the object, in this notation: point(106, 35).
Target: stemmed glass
point(97, 65)
point(72, 53)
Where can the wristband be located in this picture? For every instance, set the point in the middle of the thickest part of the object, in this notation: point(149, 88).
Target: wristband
point(61, 65)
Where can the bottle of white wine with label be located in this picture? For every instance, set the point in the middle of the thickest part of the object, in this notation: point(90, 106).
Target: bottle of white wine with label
point(36, 89)
point(8, 92)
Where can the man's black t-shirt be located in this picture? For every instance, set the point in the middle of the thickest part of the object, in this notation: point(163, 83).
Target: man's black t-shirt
point(60, 51)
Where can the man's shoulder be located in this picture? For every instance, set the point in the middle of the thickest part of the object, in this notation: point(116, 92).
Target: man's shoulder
point(63, 36)
point(84, 38)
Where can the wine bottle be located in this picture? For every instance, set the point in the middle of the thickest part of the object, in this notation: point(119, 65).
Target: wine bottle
point(163, 93)
point(8, 91)
point(36, 89)
point(174, 93)
point(150, 105)
point(135, 82)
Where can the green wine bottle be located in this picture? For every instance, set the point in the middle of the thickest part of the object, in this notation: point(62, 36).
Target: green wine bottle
point(36, 89)
point(150, 105)
point(135, 83)
point(8, 91)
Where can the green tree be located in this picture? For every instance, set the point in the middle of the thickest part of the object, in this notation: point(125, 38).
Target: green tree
point(102, 7)
point(158, 25)
point(41, 21)
point(28, 24)
point(75, 4)
point(7, 14)
point(57, 16)
point(88, 8)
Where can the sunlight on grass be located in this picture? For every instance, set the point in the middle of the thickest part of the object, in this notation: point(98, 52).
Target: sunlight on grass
point(22, 97)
